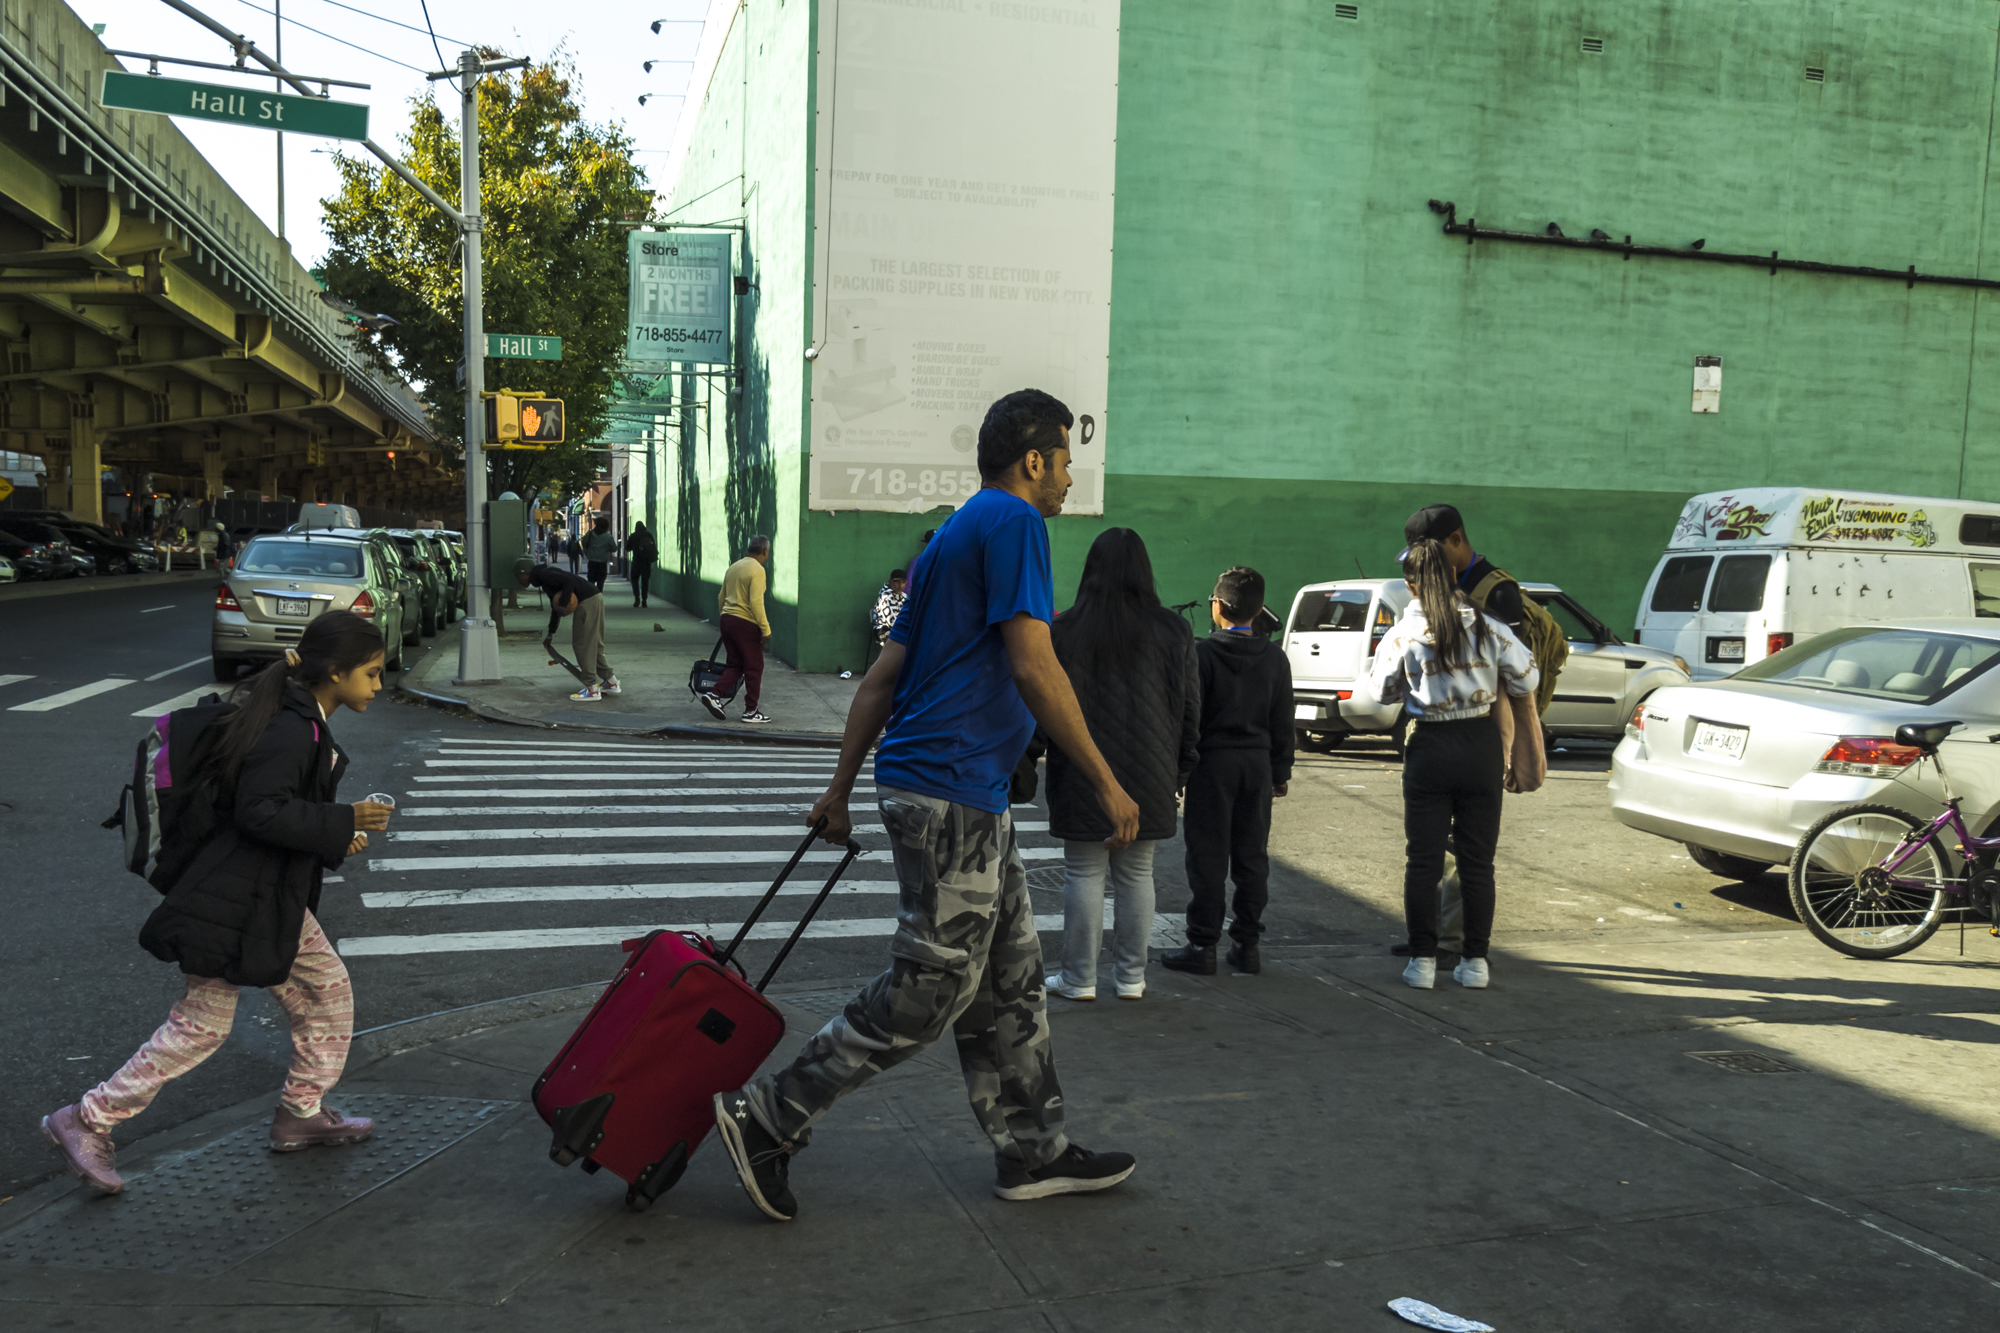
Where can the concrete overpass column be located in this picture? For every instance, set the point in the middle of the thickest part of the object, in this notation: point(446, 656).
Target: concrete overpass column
point(267, 480)
point(55, 466)
point(211, 469)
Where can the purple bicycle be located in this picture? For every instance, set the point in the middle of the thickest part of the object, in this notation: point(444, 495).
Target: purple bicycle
point(1871, 880)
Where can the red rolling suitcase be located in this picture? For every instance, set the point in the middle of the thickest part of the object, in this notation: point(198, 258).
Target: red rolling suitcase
point(632, 1091)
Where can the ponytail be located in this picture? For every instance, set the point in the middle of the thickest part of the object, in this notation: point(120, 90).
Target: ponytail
point(335, 643)
point(1427, 569)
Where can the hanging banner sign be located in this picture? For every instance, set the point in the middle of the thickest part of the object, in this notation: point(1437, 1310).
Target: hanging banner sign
point(677, 306)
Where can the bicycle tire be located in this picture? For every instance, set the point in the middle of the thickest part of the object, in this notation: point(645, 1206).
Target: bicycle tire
point(1907, 935)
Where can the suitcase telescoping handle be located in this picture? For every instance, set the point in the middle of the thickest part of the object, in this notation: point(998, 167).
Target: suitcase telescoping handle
point(853, 850)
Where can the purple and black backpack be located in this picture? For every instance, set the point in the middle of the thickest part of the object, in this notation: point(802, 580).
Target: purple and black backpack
point(153, 810)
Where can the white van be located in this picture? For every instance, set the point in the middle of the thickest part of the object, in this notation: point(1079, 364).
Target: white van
point(1750, 572)
point(317, 515)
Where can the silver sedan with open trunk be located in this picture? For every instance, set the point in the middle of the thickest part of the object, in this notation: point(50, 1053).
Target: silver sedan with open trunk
point(1739, 769)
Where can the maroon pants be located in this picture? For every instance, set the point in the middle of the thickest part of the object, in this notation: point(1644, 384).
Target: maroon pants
point(745, 643)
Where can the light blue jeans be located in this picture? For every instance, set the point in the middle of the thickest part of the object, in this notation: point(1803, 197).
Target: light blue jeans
point(1086, 866)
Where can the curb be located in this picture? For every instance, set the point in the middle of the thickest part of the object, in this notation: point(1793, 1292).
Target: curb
point(379, 1043)
point(25, 592)
point(809, 740)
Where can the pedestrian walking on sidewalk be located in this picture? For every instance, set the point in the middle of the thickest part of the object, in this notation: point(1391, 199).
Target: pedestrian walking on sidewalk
point(888, 605)
point(599, 548)
point(244, 885)
point(554, 547)
point(574, 550)
point(580, 600)
point(1451, 664)
point(745, 630)
point(968, 673)
point(1132, 663)
point(1246, 760)
point(641, 551)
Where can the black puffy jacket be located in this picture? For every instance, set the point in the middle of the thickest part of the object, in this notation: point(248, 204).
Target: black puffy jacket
point(237, 916)
point(1145, 719)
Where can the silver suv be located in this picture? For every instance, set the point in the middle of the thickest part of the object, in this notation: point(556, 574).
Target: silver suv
point(282, 580)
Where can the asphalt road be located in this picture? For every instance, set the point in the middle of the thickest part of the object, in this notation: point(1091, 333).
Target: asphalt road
point(519, 858)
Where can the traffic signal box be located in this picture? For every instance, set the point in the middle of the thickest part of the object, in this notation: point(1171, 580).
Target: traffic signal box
point(521, 420)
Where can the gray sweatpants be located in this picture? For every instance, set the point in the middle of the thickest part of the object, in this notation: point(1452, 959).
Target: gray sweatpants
point(586, 637)
point(965, 958)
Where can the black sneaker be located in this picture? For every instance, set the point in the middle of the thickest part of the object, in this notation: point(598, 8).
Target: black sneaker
point(756, 717)
point(760, 1160)
point(1196, 958)
point(1245, 958)
point(713, 705)
point(1077, 1171)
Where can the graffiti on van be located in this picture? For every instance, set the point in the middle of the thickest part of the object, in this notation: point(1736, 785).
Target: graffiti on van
point(1724, 520)
point(1830, 518)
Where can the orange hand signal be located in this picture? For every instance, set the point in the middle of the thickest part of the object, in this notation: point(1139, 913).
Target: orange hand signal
point(531, 422)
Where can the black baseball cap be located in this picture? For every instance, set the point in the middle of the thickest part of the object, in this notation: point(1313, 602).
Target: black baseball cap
point(1434, 521)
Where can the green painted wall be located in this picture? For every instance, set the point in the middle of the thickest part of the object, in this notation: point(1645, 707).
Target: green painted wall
point(1300, 358)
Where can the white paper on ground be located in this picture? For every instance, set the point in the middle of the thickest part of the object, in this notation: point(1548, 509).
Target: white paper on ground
point(1428, 1315)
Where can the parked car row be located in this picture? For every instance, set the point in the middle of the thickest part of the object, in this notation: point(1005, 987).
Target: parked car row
point(47, 544)
point(410, 582)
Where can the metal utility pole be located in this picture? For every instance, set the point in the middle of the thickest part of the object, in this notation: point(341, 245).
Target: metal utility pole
point(278, 53)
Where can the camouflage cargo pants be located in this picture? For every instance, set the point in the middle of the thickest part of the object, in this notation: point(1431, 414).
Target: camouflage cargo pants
point(965, 958)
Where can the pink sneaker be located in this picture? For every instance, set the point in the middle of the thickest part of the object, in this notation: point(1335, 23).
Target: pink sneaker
point(90, 1155)
point(289, 1132)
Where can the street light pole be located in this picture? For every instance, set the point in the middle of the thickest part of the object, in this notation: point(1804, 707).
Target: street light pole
point(479, 642)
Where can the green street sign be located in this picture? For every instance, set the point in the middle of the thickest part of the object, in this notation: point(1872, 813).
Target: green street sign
point(234, 106)
point(524, 346)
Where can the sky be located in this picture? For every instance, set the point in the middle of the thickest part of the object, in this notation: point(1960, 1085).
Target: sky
point(360, 40)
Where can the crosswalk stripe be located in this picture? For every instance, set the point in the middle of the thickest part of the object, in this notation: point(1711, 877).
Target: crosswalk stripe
point(592, 893)
point(654, 748)
point(674, 755)
point(543, 780)
point(540, 791)
point(460, 811)
point(579, 860)
point(14, 680)
point(68, 697)
point(572, 936)
point(598, 834)
point(178, 701)
point(710, 766)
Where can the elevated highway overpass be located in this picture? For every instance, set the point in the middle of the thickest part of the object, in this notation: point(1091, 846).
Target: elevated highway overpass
point(151, 321)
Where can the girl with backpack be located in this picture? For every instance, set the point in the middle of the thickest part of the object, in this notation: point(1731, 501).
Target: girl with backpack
point(239, 909)
point(1454, 664)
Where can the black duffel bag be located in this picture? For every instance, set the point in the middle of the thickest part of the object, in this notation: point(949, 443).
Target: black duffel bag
point(707, 675)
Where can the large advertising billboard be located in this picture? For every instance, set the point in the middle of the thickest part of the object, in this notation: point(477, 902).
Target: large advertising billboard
point(962, 239)
point(677, 303)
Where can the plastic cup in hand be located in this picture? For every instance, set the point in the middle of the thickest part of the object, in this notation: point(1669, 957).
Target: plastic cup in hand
point(380, 798)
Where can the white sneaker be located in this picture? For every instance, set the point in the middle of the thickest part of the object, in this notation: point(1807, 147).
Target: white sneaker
point(611, 687)
point(1422, 973)
point(1132, 991)
point(587, 695)
point(1056, 986)
point(1470, 973)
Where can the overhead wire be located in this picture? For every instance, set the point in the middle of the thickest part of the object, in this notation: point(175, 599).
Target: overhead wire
point(365, 50)
point(434, 37)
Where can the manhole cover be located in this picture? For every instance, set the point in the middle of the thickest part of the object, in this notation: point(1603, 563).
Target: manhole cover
point(209, 1208)
point(1744, 1062)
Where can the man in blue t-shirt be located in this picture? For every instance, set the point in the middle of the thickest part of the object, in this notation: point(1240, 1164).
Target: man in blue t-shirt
point(967, 674)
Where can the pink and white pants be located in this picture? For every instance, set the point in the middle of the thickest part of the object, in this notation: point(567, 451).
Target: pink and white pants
point(317, 997)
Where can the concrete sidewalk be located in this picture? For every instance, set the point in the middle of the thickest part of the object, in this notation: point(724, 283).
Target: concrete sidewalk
point(1672, 1134)
point(652, 649)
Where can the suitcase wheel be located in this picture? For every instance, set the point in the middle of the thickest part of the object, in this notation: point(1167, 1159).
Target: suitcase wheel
point(591, 1166)
point(578, 1129)
point(658, 1178)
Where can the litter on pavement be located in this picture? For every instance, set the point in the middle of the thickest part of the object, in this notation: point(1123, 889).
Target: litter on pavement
point(1429, 1316)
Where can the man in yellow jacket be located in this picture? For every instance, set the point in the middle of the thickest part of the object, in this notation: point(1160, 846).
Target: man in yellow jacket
point(745, 631)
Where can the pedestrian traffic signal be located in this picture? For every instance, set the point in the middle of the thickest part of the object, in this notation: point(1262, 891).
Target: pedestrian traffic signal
point(516, 420)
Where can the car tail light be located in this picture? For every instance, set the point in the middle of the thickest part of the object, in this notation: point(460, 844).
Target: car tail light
point(364, 605)
point(1343, 695)
point(1638, 722)
point(225, 600)
point(1776, 643)
point(1385, 620)
point(1867, 757)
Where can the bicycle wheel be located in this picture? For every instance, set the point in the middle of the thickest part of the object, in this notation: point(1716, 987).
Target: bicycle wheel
point(1841, 892)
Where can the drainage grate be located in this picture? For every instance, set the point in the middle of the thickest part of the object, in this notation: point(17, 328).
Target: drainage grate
point(1049, 879)
point(208, 1209)
point(1744, 1062)
point(1594, 45)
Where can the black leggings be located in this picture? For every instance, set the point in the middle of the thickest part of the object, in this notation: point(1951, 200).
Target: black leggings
point(1452, 778)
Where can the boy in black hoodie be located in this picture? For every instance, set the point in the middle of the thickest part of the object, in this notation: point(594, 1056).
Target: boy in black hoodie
point(1246, 759)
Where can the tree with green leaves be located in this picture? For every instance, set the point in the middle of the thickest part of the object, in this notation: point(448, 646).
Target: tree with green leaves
point(557, 196)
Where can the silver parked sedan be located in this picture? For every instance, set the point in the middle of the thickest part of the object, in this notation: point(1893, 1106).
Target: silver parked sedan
point(1738, 769)
point(282, 581)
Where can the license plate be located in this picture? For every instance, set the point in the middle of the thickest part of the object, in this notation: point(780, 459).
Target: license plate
point(1729, 650)
point(1305, 712)
point(294, 606)
point(1719, 742)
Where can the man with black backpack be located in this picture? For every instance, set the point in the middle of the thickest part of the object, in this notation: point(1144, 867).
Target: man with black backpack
point(1498, 594)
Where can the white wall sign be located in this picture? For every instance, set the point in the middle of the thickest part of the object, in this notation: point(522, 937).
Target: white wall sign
point(1708, 384)
point(677, 303)
point(964, 176)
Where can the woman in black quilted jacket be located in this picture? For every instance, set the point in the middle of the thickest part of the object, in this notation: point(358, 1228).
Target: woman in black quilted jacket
point(1132, 664)
point(239, 911)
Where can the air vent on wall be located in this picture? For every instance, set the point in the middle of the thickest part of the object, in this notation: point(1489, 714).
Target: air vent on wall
point(1814, 75)
point(1594, 45)
point(1347, 11)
